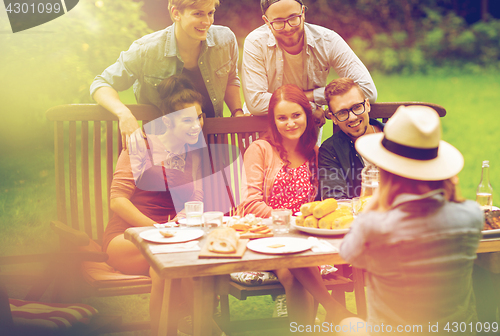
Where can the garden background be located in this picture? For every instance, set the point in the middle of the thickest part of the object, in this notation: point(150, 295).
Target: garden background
point(439, 51)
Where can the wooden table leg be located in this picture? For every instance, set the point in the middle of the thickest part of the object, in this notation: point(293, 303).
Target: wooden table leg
point(359, 292)
point(169, 314)
point(204, 292)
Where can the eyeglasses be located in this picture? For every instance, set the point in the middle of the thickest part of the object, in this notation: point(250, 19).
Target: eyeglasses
point(293, 21)
point(357, 109)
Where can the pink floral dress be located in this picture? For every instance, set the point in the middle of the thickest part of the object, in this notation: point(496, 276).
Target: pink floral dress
point(291, 188)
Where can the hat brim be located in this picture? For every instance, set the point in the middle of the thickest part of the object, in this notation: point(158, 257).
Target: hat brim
point(448, 163)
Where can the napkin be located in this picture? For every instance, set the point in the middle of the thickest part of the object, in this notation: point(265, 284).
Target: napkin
point(320, 245)
point(170, 248)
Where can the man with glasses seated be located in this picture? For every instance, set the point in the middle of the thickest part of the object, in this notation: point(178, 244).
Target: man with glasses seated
point(339, 163)
point(286, 50)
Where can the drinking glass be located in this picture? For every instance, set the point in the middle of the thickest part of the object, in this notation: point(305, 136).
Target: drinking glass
point(212, 220)
point(356, 206)
point(194, 213)
point(281, 220)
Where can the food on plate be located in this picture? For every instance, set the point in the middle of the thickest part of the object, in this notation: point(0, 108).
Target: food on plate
point(325, 207)
point(167, 233)
point(248, 224)
point(240, 227)
point(307, 209)
point(299, 220)
point(334, 215)
point(223, 240)
point(249, 219)
point(276, 245)
point(491, 220)
point(245, 228)
point(343, 222)
point(258, 228)
point(310, 221)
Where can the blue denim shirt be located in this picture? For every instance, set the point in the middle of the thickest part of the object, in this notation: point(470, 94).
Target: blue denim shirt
point(263, 66)
point(418, 257)
point(155, 57)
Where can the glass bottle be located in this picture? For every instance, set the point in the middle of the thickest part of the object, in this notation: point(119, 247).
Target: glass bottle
point(369, 180)
point(484, 193)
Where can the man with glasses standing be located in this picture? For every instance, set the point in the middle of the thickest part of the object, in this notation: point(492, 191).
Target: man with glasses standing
point(286, 50)
point(339, 163)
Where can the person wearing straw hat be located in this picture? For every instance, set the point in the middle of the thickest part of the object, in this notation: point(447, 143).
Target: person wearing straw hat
point(416, 239)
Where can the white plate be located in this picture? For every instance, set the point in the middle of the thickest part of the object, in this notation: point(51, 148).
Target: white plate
point(320, 232)
point(291, 245)
point(183, 221)
point(180, 235)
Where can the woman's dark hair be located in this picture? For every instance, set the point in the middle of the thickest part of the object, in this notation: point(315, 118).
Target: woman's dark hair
point(177, 91)
point(292, 93)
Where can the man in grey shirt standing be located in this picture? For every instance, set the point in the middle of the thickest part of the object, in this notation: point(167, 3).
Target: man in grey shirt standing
point(286, 50)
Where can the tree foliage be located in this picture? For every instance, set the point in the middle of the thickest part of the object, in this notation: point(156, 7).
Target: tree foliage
point(55, 63)
point(394, 35)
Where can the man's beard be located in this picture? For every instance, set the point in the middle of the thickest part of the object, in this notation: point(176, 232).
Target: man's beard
point(287, 41)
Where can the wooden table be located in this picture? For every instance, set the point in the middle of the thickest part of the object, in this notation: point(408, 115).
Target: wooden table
point(206, 273)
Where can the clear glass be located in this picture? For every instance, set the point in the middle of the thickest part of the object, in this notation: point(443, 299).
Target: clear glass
point(356, 206)
point(212, 220)
point(369, 180)
point(194, 213)
point(281, 220)
point(484, 192)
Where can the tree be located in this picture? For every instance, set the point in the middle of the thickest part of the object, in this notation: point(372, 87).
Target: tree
point(55, 63)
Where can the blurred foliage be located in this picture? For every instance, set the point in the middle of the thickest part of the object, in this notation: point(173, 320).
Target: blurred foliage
point(394, 36)
point(55, 63)
point(442, 41)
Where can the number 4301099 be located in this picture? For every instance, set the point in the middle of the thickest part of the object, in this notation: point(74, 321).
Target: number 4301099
point(471, 327)
point(26, 8)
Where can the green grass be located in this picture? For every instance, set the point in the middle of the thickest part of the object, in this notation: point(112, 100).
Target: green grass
point(27, 191)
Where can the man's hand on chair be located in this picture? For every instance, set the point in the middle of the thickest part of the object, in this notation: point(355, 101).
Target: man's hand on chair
point(131, 133)
point(319, 116)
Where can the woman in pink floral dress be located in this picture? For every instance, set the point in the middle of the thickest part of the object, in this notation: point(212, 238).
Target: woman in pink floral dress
point(281, 172)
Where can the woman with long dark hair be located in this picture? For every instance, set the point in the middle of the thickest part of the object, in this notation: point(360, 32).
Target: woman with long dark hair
point(152, 185)
point(281, 172)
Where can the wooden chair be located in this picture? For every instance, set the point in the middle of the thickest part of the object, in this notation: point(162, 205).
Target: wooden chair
point(87, 145)
point(231, 137)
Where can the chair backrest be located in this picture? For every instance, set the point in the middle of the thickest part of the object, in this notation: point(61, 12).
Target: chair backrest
point(227, 140)
point(87, 144)
point(385, 110)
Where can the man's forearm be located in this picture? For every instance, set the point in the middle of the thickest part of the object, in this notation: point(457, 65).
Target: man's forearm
point(310, 95)
point(233, 98)
point(108, 98)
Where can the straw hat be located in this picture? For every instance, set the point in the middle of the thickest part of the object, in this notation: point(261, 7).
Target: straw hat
point(411, 146)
